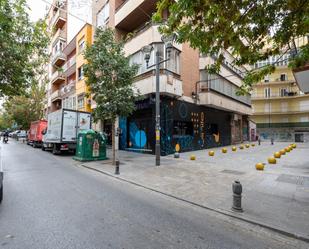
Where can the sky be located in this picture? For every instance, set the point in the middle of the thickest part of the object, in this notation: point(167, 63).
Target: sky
point(37, 9)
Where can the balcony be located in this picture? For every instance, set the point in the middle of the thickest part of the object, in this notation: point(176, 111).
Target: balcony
point(148, 34)
point(57, 77)
point(59, 35)
point(170, 84)
point(68, 89)
point(58, 58)
point(286, 95)
point(223, 96)
point(59, 19)
point(134, 13)
point(69, 66)
point(55, 96)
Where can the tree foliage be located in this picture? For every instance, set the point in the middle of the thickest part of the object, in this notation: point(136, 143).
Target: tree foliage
point(252, 30)
point(109, 76)
point(22, 47)
point(23, 109)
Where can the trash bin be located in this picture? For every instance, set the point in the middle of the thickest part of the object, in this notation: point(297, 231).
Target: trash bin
point(91, 146)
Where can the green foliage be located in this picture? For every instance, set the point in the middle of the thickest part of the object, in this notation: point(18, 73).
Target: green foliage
point(23, 47)
point(24, 109)
point(109, 76)
point(252, 30)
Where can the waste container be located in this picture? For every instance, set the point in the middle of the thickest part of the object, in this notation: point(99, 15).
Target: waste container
point(91, 146)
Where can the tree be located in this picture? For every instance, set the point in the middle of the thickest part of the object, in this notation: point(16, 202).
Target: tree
point(23, 109)
point(252, 30)
point(109, 76)
point(22, 46)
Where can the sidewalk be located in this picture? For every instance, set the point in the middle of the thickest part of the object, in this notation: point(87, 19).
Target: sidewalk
point(277, 197)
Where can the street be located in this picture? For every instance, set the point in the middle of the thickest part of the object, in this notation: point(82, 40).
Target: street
point(50, 202)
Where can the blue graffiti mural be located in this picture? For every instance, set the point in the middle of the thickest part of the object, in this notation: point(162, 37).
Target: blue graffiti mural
point(123, 137)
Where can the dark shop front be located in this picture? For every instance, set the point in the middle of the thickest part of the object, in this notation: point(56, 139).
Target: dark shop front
point(191, 126)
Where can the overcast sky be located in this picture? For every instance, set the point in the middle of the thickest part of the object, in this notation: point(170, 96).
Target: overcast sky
point(37, 9)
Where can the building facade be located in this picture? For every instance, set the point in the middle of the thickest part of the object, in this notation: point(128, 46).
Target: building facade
point(280, 109)
point(197, 110)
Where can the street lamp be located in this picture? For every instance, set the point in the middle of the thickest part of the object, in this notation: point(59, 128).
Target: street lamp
point(146, 50)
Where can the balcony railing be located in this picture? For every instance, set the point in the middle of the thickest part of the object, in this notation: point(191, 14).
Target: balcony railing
point(71, 62)
point(60, 15)
point(224, 87)
point(57, 77)
point(278, 96)
point(59, 55)
point(55, 95)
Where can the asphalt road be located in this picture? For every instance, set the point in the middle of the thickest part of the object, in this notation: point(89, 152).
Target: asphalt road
point(50, 202)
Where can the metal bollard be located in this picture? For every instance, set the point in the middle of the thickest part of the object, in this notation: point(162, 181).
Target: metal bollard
point(259, 141)
point(272, 141)
point(117, 169)
point(176, 155)
point(237, 190)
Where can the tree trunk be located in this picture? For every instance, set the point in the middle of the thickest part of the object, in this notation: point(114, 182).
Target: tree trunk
point(113, 142)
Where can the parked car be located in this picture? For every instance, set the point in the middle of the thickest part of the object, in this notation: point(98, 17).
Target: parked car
point(1, 184)
point(21, 134)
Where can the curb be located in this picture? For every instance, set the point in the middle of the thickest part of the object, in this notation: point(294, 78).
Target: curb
point(220, 211)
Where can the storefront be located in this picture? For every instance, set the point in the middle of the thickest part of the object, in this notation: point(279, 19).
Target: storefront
point(191, 126)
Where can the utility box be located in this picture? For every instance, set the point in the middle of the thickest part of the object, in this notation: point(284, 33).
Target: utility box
point(91, 146)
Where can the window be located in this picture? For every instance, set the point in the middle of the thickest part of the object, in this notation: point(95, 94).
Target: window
point(74, 103)
point(103, 15)
point(80, 73)
point(81, 45)
point(283, 92)
point(80, 101)
point(283, 77)
point(267, 92)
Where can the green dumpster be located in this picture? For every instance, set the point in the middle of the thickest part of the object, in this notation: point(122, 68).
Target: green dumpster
point(91, 146)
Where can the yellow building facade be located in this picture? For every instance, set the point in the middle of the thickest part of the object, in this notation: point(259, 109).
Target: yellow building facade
point(280, 109)
point(83, 38)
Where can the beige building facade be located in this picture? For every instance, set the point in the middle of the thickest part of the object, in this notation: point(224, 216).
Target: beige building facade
point(280, 109)
point(197, 110)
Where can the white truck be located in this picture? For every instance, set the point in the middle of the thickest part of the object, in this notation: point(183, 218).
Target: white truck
point(62, 129)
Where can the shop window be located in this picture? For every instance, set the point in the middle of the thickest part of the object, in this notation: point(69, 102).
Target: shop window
point(182, 128)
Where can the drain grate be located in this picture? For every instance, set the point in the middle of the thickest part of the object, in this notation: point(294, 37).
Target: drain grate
point(298, 180)
point(233, 172)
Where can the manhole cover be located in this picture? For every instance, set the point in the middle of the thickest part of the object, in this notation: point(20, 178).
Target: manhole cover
point(233, 172)
point(298, 180)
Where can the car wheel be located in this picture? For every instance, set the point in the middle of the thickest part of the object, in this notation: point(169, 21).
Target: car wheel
point(1, 193)
point(34, 145)
point(55, 150)
point(43, 148)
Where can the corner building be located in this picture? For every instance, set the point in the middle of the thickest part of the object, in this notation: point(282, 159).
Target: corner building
point(197, 110)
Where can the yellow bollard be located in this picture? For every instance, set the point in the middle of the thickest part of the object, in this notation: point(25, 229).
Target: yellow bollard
point(234, 148)
point(277, 154)
point(224, 150)
point(241, 147)
point(192, 157)
point(287, 149)
point(252, 145)
point(247, 145)
point(259, 166)
point(282, 152)
point(211, 153)
point(294, 146)
point(272, 160)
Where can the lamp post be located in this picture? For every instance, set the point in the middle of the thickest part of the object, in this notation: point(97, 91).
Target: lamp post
point(146, 50)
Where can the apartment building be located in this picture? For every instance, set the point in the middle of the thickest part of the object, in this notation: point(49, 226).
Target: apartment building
point(56, 20)
point(197, 110)
point(280, 109)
